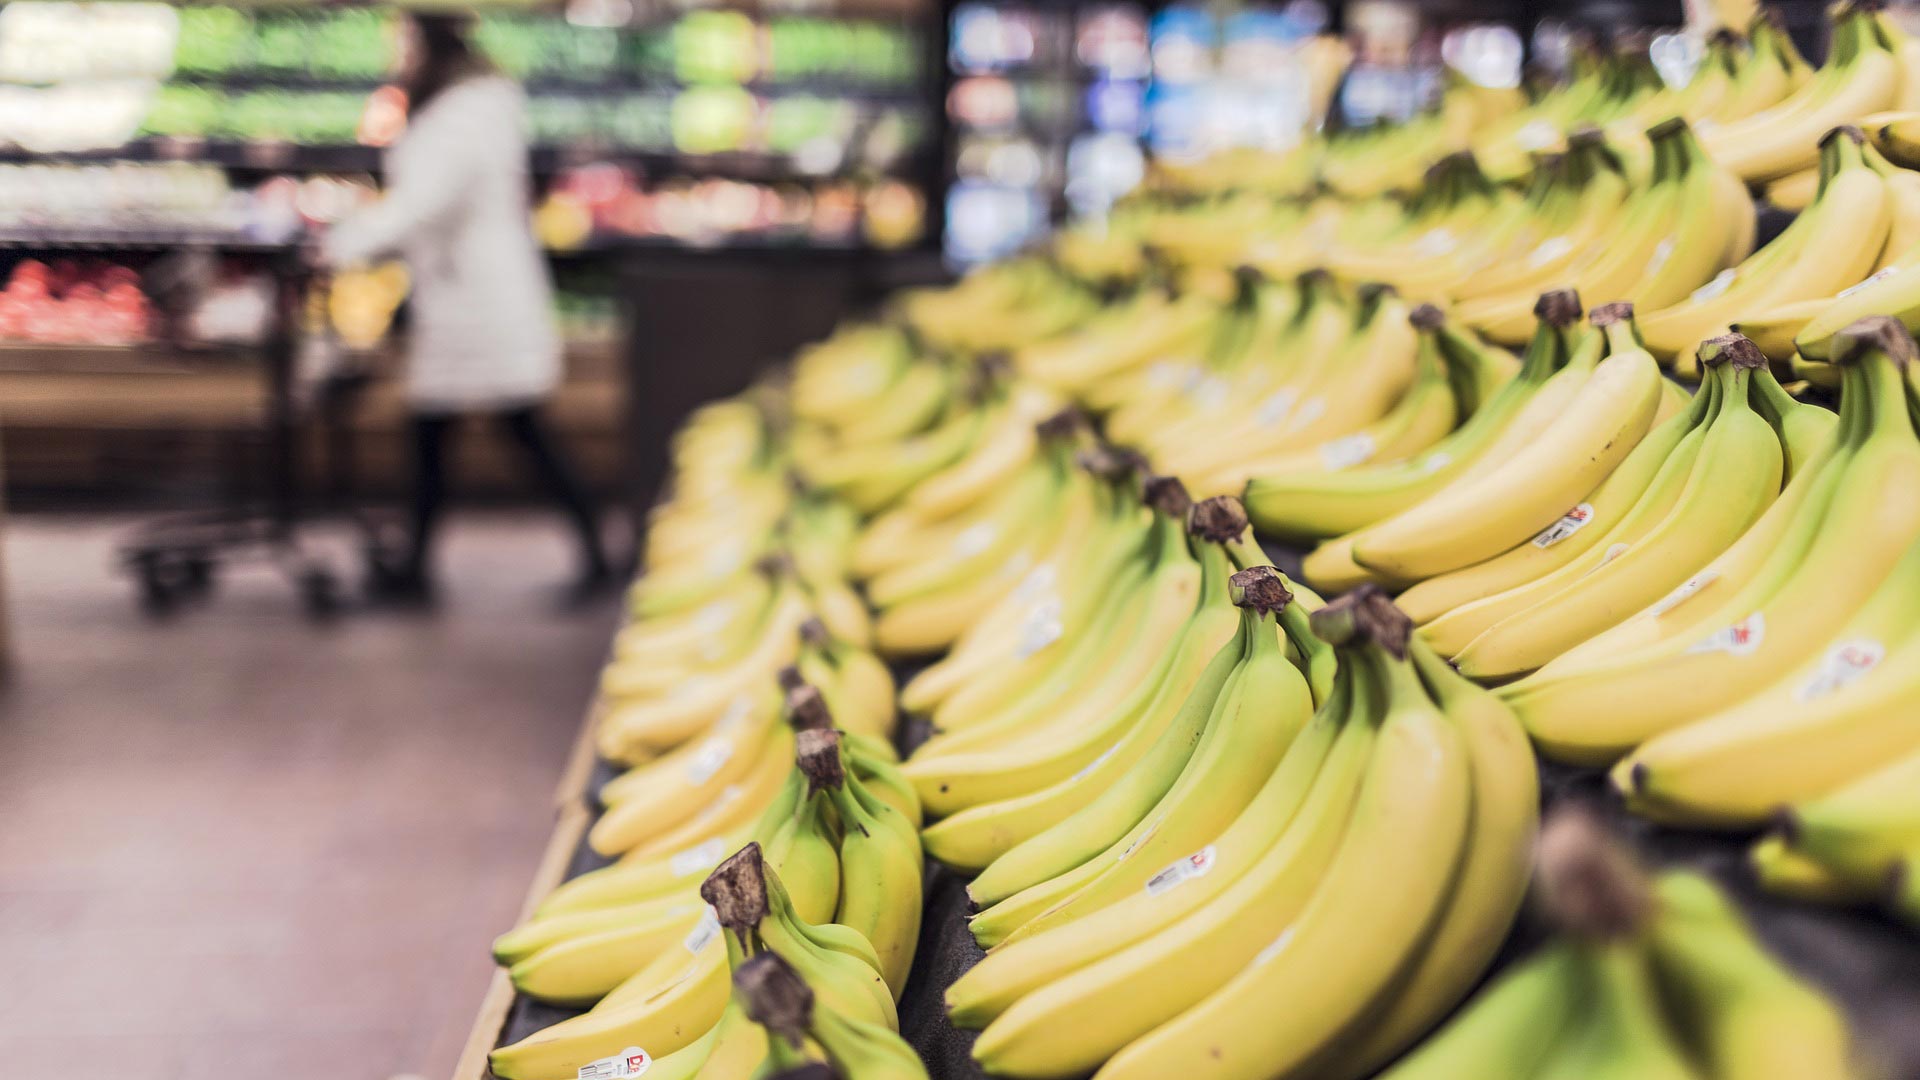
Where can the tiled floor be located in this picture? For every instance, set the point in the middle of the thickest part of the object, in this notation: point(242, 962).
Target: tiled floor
point(236, 844)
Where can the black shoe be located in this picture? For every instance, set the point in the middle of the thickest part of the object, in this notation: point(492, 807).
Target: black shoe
point(399, 586)
point(592, 588)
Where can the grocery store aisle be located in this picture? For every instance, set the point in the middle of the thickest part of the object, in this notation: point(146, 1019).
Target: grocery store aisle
point(237, 844)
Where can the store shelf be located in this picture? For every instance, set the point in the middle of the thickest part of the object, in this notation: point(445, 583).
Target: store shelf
point(1869, 963)
point(95, 238)
point(20, 357)
point(285, 157)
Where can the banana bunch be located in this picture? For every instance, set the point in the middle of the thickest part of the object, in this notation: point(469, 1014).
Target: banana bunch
point(1367, 864)
point(806, 1035)
point(999, 306)
point(897, 446)
point(1015, 636)
point(837, 382)
point(1867, 72)
point(1668, 237)
point(1197, 772)
point(1572, 419)
point(719, 779)
point(1726, 685)
point(602, 927)
point(1147, 617)
point(1331, 369)
point(1395, 414)
point(1858, 843)
point(1604, 85)
point(1328, 503)
point(843, 833)
point(728, 493)
point(671, 681)
point(1803, 332)
point(1156, 326)
point(679, 995)
point(1807, 264)
point(1655, 979)
point(972, 533)
point(1679, 499)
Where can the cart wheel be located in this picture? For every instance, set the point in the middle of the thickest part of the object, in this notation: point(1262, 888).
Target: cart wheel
point(319, 592)
point(196, 574)
point(158, 597)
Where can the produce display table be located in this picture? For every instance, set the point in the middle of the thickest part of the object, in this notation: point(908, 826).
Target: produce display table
point(1870, 963)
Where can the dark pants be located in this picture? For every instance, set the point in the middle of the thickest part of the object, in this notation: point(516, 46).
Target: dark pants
point(550, 469)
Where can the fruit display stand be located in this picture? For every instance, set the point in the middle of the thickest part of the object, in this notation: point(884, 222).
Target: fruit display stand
point(1867, 961)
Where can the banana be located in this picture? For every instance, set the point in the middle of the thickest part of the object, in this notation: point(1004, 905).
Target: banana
point(1481, 516)
point(1752, 1018)
point(1774, 331)
point(1487, 893)
point(1099, 530)
point(1422, 416)
point(659, 1016)
point(578, 959)
point(1269, 704)
point(1779, 538)
point(1376, 904)
point(1780, 869)
point(1510, 1027)
point(1788, 609)
point(1861, 830)
point(1356, 386)
point(1736, 477)
point(732, 808)
point(1621, 1034)
point(880, 862)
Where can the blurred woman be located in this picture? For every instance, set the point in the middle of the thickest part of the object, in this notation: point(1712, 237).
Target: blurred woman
point(482, 341)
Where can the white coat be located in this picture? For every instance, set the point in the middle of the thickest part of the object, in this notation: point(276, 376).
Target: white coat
point(456, 210)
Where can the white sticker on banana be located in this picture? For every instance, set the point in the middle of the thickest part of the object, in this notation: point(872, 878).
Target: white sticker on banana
point(1571, 522)
point(1661, 252)
point(714, 753)
point(974, 539)
point(1348, 451)
point(624, 1065)
point(1684, 591)
point(1741, 639)
point(1844, 663)
point(703, 932)
point(1883, 272)
point(1550, 249)
point(1721, 282)
point(1039, 580)
point(1041, 629)
point(702, 856)
point(1196, 865)
point(1276, 407)
point(1087, 769)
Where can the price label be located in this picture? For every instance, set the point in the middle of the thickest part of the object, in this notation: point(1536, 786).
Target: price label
point(625, 1065)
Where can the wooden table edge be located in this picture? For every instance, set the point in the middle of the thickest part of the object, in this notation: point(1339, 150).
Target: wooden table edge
point(572, 817)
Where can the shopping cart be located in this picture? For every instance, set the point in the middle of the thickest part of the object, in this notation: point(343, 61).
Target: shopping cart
point(309, 380)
